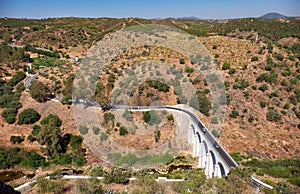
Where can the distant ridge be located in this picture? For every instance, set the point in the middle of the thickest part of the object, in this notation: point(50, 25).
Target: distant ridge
point(272, 16)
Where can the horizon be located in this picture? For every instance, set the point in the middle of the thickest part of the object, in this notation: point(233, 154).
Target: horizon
point(216, 9)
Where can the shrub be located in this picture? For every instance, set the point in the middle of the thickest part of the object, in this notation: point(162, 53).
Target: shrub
point(103, 136)
point(28, 116)
point(226, 66)
point(214, 120)
point(234, 113)
point(215, 47)
point(263, 104)
point(39, 91)
point(9, 115)
point(19, 76)
point(123, 131)
point(35, 129)
point(151, 117)
point(232, 71)
point(181, 61)
point(16, 139)
point(96, 130)
point(127, 115)
point(254, 58)
point(215, 133)
point(53, 119)
point(189, 70)
point(83, 130)
point(263, 87)
point(170, 117)
point(273, 115)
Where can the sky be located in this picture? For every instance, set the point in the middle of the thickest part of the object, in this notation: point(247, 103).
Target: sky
point(207, 9)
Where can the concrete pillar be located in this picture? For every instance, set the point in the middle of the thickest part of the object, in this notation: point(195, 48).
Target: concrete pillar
point(207, 170)
point(195, 145)
point(202, 156)
point(217, 171)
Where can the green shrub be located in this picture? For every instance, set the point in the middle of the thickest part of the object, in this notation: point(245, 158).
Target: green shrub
point(16, 139)
point(127, 115)
point(215, 47)
point(263, 87)
point(273, 115)
point(9, 115)
point(96, 130)
point(83, 130)
point(254, 58)
point(19, 76)
point(226, 66)
point(263, 104)
point(151, 117)
point(234, 113)
point(215, 133)
point(53, 119)
point(35, 129)
point(181, 61)
point(103, 136)
point(28, 116)
point(123, 131)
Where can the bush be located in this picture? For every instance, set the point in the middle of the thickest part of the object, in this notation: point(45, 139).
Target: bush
point(9, 115)
point(160, 86)
point(226, 66)
point(273, 115)
point(215, 47)
point(214, 120)
point(263, 87)
point(39, 91)
point(127, 115)
point(83, 130)
point(234, 113)
point(123, 131)
point(96, 130)
point(19, 76)
point(16, 139)
point(35, 129)
point(181, 61)
point(189, 70)
point(232, 71)
point(151, 117)
point(103, 136)
point(28, 116)
point(200, 102)
point(215, 133)
point(53, 119)
point(254, 58)
point(263, 104)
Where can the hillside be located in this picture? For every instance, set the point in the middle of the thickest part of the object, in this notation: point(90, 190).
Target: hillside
point(272, 16)
point(257, 58)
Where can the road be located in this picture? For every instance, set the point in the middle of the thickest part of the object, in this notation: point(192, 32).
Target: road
point(30, 79)
point(223, 153)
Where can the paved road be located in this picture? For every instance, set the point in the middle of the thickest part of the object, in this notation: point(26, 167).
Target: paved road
point(223, 153)
point(30, 79)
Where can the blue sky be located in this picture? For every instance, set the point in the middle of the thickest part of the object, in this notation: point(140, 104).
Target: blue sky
point(147, 8)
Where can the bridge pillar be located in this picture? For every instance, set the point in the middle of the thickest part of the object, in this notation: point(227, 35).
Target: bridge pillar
point(195, 146)
point(207, 169)
point(217, 171)
point(202, 156)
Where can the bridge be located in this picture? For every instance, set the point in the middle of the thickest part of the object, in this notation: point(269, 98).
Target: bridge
point(212, 157)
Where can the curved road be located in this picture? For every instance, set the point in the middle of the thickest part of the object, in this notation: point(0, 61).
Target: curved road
point(227, 158)
point(30, 79)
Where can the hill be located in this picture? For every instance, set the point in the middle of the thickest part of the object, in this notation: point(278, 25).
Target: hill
point(272, 15)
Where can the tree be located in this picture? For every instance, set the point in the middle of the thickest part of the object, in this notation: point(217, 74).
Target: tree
point(50, 136)
point(16, 139)
point(39, 91)
point(53, 119)
point(28, 116)
point(9, 115)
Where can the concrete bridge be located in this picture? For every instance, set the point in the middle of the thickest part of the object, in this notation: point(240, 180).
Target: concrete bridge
point(212, 157)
